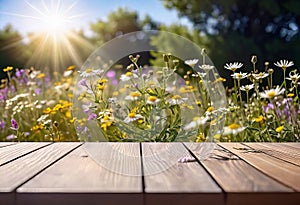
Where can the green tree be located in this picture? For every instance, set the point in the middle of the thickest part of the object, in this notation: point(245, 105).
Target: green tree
point(120, 22)
point(13, 51)
point(237, 29)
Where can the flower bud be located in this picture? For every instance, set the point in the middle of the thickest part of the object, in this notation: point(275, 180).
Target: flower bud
point(165, 57)
point(254, 59)
point(203, 52)
point(131, 57)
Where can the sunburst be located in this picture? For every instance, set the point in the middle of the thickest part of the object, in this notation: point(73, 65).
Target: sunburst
point(54, 41)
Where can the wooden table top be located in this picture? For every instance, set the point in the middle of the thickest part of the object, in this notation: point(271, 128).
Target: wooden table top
point(64, 173)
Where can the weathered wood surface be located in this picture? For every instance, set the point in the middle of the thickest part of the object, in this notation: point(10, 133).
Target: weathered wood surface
point(149, 173)
point(284, 172)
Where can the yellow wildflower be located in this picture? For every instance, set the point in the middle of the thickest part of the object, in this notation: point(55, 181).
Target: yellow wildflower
point(210, 109)
point(48, 110)
point(41, 75)
point(290, 95)
point(279, 129)
point(200, 137)
point(68, 114)
point(37, 127)
point(105, 125)
point(259, 119)
point(72, 67)
point(7, 69)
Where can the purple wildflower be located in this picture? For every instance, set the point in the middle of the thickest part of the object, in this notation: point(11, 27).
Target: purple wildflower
point(92, 116)
point(2, 124)
point(111, 74)
point(14, 124)
point(82, 82)
point(38, 91)
point(11, 137)
point(270, 106)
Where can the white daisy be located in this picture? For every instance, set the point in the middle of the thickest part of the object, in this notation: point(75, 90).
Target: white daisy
point(127, 76)
point(284, 64)
point(153, 100)
point(260, 75)
point(272, 92)
point(89, 72)
point(233, 66)
point(293, 77)
point(233, 129)
point(247, 87)
point(191, 62)
point(132, 117)
point(42, 118)
point(196, 122)
point(133, 96)
point(68, 73)
point(239, 75)
point(177, 100)
point(206, 68)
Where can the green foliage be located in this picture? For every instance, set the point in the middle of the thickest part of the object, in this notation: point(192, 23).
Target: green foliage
point(12, 49)
point(236, 29)
point(119, 22)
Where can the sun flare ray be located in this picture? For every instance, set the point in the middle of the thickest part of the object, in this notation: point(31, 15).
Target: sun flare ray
point(54, 45)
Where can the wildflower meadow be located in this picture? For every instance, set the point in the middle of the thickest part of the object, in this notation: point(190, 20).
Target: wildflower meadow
point(38, 106)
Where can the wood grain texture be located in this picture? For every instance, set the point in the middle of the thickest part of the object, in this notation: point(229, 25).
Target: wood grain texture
point(164, 175)
point(90, 178)
point(9, 153)
point(4, 144)
point(284, 172)
point(292, 144)
point(278, 150)
point(22, 169)
point(235, 175)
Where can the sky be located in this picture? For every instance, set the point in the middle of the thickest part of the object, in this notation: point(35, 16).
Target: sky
point(33, 15)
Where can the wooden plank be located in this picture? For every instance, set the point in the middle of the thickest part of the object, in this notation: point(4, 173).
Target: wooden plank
point(278, 150)
point(282, 171)
point(20, 170)
point(164, 177)
point(293, 144)
point(81, 179)
point(234, 174)
point(10, 153)
point(239, 180)
point(4, 144)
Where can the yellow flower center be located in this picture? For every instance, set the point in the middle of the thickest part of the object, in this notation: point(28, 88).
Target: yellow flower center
point(210, 109)
point(176, 97)
point(271, 94)
point(131, 115)
point(128, 74)
point(234, 126)
point(152, 98)
point(135, 94)
point(89, 70)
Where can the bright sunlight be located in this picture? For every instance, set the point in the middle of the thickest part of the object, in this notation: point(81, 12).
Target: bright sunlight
point(54, 40)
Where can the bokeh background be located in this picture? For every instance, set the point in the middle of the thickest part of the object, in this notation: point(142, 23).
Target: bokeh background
point(51, 35)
